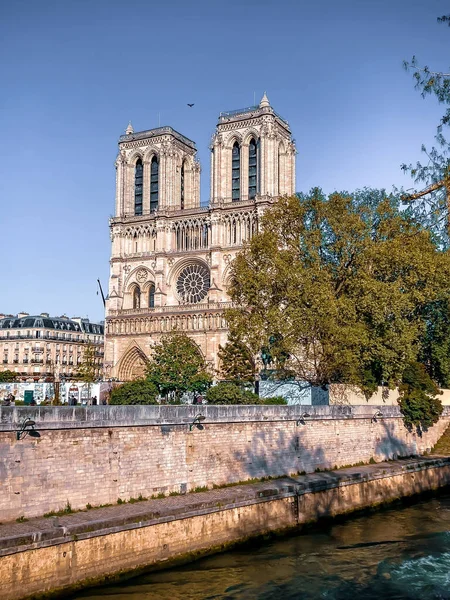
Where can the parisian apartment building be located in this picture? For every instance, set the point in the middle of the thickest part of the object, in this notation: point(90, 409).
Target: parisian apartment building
point(43, 348)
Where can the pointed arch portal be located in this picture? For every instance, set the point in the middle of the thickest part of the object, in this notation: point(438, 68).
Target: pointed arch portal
point(133, 364)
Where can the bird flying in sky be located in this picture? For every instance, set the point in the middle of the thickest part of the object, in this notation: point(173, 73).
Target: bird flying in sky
point(190, 105)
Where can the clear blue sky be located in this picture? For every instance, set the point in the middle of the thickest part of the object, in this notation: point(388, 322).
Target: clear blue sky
point(74, 72)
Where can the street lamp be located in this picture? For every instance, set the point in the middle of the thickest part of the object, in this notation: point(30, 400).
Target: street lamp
point(197, 422)
point(24, 431)
point(302, 421)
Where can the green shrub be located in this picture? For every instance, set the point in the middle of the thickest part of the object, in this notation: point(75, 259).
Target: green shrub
point(139, 391)
point(418, 402)
point(231, 393)
point(228, 393)
point(273, 400)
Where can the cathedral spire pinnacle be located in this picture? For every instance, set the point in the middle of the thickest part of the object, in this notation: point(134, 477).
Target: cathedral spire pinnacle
point(129, 130)
point(264, 101)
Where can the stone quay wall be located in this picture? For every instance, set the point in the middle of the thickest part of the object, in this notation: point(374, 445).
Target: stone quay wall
point(42, 558)
point(96, 455)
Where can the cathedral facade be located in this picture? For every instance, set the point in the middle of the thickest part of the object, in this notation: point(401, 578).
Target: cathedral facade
point(171, 256)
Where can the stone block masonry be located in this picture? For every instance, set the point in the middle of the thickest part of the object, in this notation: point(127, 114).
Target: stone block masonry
point(43, 557)
point(96, 455)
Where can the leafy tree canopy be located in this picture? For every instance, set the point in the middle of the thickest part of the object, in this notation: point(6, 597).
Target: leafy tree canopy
point(177, 366)
point(337, 284)
point(88, 369)
point(139, 391)
point(432, 203)
point(7, 376)
point(435, 343)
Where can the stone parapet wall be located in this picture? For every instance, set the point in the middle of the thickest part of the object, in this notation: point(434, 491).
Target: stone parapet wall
point(96, 455)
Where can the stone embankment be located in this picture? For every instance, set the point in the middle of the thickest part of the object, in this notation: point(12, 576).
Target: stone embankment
point(96, 455)
point(53, 556)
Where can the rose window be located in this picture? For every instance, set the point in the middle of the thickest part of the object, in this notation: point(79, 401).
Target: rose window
point(193, 283)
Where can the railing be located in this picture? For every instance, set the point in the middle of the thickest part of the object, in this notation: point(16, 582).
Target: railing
point(45, 338)
point(37, 349)
point(37, 361)
point(172, 309)
point(255, 110)
point(148, 133)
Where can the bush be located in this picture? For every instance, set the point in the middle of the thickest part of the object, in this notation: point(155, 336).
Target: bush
point(226, 393)
point(230, 393)
point(139, 391)
point(418, 402)
point(273, 400)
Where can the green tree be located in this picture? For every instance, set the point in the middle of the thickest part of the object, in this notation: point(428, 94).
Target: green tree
point(418, 397)
point(338, 285)
point(432, 202)
point(88, 368)
point(236, 362)
point(435, 344)
point(177, 366)
point(7, 376)
point(139, 391)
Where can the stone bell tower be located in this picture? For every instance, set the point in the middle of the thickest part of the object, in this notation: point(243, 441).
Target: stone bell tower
point(252, 154)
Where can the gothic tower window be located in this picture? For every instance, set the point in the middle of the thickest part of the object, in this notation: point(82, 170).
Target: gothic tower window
point(138, 177)
point(154, 184)
point(252, 168)
point(236, 173)
point(182, 187)
point(137, 297)
point(151, 296)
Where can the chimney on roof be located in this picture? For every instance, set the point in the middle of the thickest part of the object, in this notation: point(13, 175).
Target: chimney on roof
point(46, 315)
point(22, 314)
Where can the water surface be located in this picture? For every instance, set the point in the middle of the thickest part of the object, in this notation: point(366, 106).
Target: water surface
point(396, 554)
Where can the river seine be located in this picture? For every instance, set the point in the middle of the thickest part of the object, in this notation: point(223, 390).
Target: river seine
point(400, 553)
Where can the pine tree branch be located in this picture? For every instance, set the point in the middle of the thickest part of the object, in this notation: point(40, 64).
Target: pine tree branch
point(431, 188)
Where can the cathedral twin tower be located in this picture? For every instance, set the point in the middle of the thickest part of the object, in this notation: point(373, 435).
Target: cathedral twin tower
point(170, 256)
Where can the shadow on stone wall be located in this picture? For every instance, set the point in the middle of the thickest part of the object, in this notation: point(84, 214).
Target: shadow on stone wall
point(283, 454)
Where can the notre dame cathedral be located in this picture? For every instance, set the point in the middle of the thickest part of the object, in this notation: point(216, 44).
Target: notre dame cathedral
point(171, 256)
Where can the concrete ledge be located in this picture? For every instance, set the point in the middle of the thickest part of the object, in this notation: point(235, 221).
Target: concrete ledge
point(42, 532)
point(81, 417)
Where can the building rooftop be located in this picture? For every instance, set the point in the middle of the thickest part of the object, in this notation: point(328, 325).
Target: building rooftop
point(263, 108)
point(131, 135)
point(46, 322)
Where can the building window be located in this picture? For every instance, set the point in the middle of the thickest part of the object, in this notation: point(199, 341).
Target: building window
point(154, 184)
point(182, 187)
point(236, 173)
point(151, 296)
point(137, 297)
point(252, 168)
point(138, 182)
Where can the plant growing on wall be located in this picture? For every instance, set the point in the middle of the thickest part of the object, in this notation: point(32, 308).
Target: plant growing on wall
point(418, 400)
point(177, 366)
point(139, 391)
point(336, 287)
